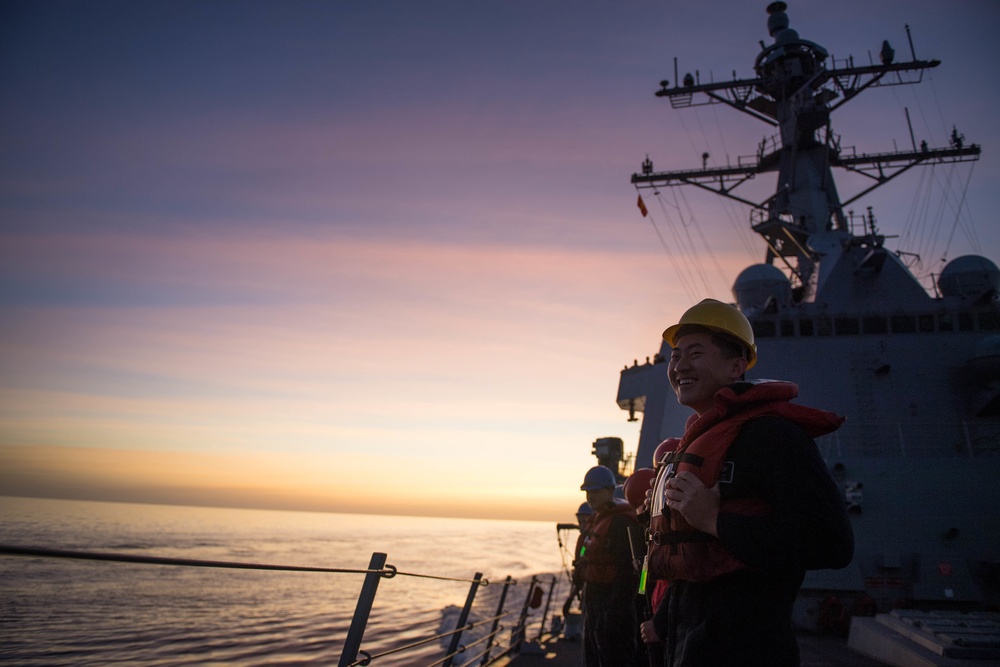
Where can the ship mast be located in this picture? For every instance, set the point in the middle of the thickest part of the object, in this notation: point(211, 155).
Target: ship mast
point(803, 222)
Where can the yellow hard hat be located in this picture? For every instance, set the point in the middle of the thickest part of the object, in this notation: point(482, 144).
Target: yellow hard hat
point(721, 317)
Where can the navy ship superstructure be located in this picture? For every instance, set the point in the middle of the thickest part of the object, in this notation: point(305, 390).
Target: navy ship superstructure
point(917, 374)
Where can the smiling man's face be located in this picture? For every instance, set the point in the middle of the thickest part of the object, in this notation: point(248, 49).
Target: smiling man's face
point(697, 369)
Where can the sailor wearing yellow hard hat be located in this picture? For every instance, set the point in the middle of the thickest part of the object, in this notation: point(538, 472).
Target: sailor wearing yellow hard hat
point(743, 507)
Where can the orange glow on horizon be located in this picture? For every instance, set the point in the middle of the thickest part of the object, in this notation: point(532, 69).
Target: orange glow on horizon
point(257, 482)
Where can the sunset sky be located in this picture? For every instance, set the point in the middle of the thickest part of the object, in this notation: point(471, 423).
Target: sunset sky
point(385, 256)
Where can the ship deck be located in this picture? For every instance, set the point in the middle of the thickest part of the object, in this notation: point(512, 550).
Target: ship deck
point(817, 651)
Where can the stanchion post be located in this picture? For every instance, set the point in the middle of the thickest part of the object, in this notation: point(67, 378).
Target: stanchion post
point(463, 618)
point(519, 633)
point(496, 620)
point(548, 603)
point(361, 612)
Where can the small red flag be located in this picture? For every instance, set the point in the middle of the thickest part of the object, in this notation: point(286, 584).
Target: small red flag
point(642, 207)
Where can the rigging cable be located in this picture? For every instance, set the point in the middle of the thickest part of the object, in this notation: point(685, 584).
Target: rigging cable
point(683, 235)
point(688, 243)
point(961, 206)
point(732, 210)
point(735, 220)
point(924, 233)
point(918, 220)
point(683, 277)
point(684, 273)
point(711, 253)
point(739, 226)
point(943, 202)
point(946, 190)
point(926, 228)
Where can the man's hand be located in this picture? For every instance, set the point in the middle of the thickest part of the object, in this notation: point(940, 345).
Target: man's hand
point(698, 504)
point(648, 632)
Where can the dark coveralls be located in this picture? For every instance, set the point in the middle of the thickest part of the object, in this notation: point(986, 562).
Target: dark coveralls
point(743, 618)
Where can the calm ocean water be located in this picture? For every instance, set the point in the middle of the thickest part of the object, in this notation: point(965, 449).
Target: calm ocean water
point(72, 612)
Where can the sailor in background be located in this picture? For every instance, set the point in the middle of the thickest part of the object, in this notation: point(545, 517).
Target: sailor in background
point(604, 562)
point(583, 516)
point(743, 507)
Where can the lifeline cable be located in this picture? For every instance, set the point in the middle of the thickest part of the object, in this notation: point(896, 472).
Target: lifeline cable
point(389, 571)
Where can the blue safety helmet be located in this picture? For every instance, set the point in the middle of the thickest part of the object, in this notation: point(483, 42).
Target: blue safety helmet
point(585, 509)
point(598, 477)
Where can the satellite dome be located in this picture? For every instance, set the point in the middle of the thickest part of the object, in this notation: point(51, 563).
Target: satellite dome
point(787, 36)
point(969, 277)
point(760, 284)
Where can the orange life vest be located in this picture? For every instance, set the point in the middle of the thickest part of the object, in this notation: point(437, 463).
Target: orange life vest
point(677, 550)
point(595, 561)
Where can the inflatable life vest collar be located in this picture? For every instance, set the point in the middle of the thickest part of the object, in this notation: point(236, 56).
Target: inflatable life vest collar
point(679, 551)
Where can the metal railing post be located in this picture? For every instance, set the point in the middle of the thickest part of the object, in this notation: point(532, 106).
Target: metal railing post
point(364, 607)
point(548, 603)
point(463, 618)
point(518, 635)
point(496, 621)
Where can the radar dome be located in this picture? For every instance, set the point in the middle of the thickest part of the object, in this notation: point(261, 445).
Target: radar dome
point(760, 284)
point(969, 277)
point(787, 36)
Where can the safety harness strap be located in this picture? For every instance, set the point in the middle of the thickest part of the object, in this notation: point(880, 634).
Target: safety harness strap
point(680, 536)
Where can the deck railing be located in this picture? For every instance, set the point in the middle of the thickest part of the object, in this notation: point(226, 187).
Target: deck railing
point(491, 648)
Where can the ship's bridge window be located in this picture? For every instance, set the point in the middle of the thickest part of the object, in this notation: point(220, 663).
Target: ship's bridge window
point(989, 321)
point(824, 327)
point(925, 323)
point(764, 329)
point(805, 327)
point(903, 324)
point(787, 328)
point(946, 322)
point(874, 324)
point(846, 326)
point(965, 322)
